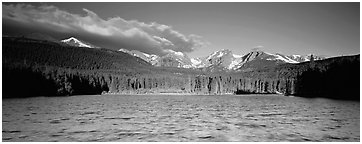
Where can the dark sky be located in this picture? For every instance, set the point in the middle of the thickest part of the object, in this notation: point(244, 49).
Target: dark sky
point(196, 28)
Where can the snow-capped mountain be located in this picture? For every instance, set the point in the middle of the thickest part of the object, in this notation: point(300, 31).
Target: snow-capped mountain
point(267, 56)
point(260, 59)
point(225, 59)
point(304, 58)
point(222, 60)
point(175, 59)
point(72, 41)
point(172, 59)
point(196, 62)
point(150, 58)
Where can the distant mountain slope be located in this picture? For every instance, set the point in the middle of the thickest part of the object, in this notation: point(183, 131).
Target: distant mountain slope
point(305, 58)
point(222, 60)
point(150, 58)
point(31, 52)
point(39, 36)
point(175, 59)
point(259, 59)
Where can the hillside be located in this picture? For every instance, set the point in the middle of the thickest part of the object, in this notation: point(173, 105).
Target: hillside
point(337, 77)
point(42, 68)
point(31, 52)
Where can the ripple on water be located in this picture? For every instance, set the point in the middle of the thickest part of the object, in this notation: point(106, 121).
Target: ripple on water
point(179, 118)
point(7, 138)
point(249, 125)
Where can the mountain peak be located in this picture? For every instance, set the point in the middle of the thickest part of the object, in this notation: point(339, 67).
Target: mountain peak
point(72, 41)
point(223, 59)
point(124, 50)
point(219, 53)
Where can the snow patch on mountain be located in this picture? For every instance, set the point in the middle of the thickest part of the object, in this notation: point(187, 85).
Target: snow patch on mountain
point(150, 58)
point(72, 41)
point(175, 59)
point(220, 55)
point(210, 56)
point(280, 57)
point(237, 56)
point(236, 60)
point(305, 58)
point(296, 56)
point(234, 63)
point(219, 60)
point(196, 61)
point(125, 51)
point(179, 53)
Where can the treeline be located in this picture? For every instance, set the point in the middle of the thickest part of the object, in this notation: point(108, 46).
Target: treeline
point(24, 81)
point(337, 78)
point(33, 68)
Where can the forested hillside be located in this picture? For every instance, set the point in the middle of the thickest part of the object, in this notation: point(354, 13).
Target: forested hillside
point(337, 77)
point(42, 68)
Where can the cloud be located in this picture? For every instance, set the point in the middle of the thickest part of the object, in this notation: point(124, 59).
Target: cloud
point(113, 33)
point(257, 48)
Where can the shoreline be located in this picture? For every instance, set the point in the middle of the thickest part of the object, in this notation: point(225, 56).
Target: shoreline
point(189, 94)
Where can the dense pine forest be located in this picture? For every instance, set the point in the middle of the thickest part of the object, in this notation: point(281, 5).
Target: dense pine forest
point(42, 68)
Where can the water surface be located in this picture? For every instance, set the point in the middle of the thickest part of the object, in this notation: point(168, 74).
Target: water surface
point(179, 118)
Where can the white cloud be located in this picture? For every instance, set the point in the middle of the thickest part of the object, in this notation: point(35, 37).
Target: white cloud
point(259, 46)
point(115, 32)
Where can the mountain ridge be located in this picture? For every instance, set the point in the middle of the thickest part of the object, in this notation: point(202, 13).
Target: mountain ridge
point(72, 41)
point(222, 59)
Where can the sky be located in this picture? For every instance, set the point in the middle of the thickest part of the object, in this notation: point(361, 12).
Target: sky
point(197, 29)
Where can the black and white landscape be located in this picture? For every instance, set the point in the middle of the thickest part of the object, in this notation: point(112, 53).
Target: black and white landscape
point(185, 72)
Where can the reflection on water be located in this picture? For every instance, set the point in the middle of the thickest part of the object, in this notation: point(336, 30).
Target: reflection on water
point(179, 118)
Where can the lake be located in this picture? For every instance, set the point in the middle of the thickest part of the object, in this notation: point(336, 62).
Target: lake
point(179, 118)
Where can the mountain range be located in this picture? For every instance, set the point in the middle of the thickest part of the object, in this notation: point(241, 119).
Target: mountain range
point(221, 60)
point(43, 67)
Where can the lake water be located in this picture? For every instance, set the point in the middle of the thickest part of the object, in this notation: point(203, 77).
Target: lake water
point(179, 118)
